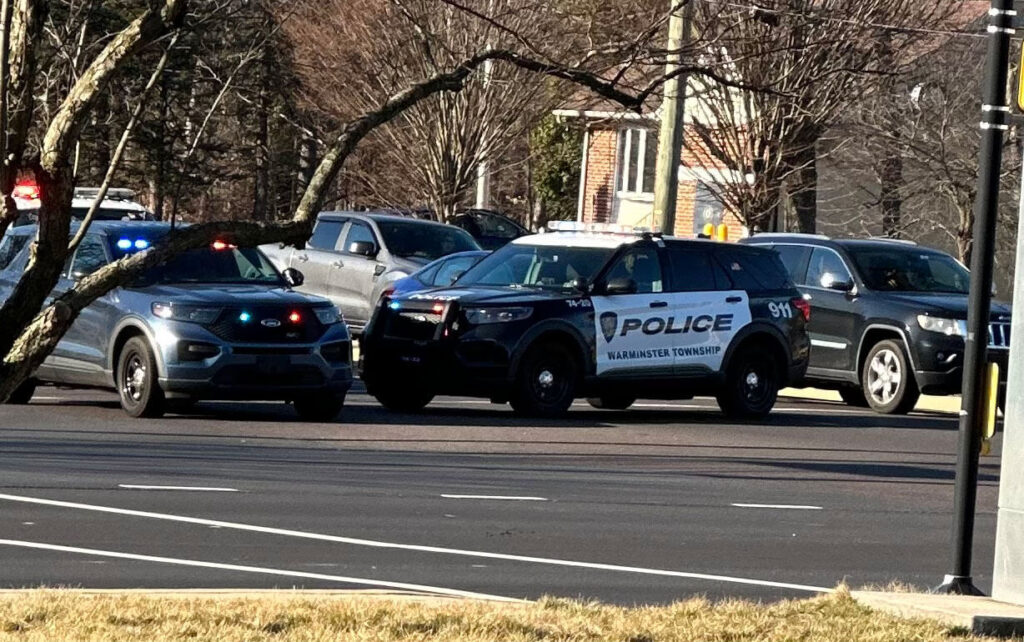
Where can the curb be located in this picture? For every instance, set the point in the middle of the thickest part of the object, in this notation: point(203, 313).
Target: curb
point(927, 403)
point(980, 615)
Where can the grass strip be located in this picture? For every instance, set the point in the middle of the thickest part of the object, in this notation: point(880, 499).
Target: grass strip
point(71, 615)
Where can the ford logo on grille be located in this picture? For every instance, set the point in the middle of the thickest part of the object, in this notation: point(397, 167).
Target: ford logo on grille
point(270, 323)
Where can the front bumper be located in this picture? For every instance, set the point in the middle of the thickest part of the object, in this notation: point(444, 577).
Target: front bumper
point(939, 364)
point(252, 371)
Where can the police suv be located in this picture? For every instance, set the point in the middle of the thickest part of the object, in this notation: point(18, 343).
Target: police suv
point(588, 312)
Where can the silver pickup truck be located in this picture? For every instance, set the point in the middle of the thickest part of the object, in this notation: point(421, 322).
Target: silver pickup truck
point(353, 257)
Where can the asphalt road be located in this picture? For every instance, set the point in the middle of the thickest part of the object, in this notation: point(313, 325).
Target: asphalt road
point(659, 503)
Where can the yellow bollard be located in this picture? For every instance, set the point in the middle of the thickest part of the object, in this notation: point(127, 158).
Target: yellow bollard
point(723, 232)
point(709, 230)
point(991, 407)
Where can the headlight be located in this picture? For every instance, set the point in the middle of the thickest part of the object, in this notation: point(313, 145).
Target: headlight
point(191, 313)
point(481, 316)
point(948, 327)
point(327, 316)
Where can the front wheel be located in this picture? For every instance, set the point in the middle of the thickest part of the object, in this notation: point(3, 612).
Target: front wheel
point(319, 408)
point(751, 385)
point(546, 382)
point(888, 381)
point(137, 383)
point(612, 402)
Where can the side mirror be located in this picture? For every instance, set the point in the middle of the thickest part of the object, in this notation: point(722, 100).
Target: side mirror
point(839, 284)
point(363, 248)
point(580, 285)
point(621, 285)
point(293, 277)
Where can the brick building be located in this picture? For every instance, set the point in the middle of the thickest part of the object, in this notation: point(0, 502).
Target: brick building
point(617, 175)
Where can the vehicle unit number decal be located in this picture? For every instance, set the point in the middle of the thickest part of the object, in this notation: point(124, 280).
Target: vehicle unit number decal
point(780, 309)
point(660, 331)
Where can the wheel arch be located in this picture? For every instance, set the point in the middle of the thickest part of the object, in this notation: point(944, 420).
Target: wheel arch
point(124, 331)
point(875, 333)
point(561, 332)
point(760, 333)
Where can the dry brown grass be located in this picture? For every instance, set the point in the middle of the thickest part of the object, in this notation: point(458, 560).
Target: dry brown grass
point(67, 615)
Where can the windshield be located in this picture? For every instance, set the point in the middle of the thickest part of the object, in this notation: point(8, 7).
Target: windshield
point(537, 266)
point(409, 239)
point(910, 270)
point(208, 265)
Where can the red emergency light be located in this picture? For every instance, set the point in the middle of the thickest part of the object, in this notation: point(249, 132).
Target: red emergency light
point(29, 191)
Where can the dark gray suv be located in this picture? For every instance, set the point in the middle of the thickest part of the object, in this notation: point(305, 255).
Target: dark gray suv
point(353, 257)
point(213, 323)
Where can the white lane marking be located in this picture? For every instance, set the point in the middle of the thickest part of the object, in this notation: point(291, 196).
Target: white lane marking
point(413, 547)
point(256, 569)
point(783, 506)
point(209, 489)
point(498, 497)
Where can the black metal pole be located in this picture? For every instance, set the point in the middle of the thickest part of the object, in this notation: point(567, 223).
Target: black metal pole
point(994, 118)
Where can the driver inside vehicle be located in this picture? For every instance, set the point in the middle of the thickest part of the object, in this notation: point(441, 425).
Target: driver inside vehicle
point(642, 268)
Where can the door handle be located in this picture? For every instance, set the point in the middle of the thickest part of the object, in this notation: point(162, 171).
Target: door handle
point(733, 299)
point(302, 257)
point(337, 264)
point(659, 304)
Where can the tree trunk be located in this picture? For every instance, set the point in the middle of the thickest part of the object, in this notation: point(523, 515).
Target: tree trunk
point(101, 133)
point(890, 178)
point(804, 194)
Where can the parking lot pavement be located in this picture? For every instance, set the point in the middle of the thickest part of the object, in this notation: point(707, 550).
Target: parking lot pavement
point(654, 504)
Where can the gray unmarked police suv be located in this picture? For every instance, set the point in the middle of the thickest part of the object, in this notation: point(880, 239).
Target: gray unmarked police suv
point(213, 323)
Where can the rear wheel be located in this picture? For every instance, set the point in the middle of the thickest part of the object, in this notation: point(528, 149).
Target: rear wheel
point(612, 402)
point(137, 383)
point(546, 382)
point(23, 393)
point(888, 382)
point(751, 384)
point(853, 397)
point(404, 400)
point(319, 408)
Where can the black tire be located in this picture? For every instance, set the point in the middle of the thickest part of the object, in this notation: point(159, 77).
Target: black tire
point(319, 408)
point(854, 397)
point(404, 400)
point(612, 402)
point(546, 382)
point(888, 380)
point(23, 393)
point(137, 384)
point(752, 383)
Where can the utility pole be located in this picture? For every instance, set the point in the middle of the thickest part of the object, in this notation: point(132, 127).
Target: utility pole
point(673, 108)
point(483, 169)
point(994, 118)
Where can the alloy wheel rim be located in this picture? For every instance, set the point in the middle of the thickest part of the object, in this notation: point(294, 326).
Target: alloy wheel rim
point(754, 385)
point(884, 376)
point(549, 383)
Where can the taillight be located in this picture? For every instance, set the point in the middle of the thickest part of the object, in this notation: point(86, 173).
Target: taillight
point(804, 306)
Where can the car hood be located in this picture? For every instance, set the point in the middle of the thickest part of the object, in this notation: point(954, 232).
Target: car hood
point(242, 294)
point(489, 295)
point(953, 305)
point(407, 264)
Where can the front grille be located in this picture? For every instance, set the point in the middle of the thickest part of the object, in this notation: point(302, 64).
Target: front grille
point(257, 376)
point(230, 327)
point(416, 321)
point(282, 350)
point(999, 335)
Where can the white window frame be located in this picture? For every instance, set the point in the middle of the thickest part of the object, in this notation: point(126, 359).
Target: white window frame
point(627, 175)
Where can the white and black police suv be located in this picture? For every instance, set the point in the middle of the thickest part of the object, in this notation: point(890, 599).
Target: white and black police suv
point(606, 316)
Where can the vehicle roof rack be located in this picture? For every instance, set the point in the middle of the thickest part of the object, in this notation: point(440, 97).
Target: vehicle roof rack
point(887, 238)
point(790, 234)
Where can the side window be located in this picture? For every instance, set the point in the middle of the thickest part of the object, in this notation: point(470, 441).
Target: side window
point(794, 258)
point(825, 268)
point(10, 246)
point(754, 270)
point(89, 257)
point(359, 233)
point(640, 264)
point(325, 235)
point(691, 270)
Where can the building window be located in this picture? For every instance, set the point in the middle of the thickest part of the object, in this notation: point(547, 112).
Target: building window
point(637, 157)
point(706, 209)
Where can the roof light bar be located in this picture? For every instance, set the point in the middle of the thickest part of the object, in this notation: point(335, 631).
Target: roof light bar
point(598, 228)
